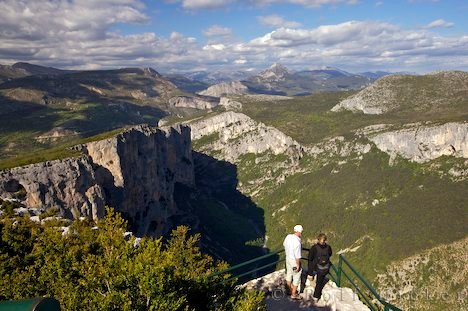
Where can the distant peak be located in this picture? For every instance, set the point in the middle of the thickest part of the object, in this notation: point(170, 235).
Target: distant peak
point(278, 66)
point(151, 71)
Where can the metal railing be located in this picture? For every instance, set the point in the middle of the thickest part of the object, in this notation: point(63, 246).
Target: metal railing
point(365, 291)
point(343, 272)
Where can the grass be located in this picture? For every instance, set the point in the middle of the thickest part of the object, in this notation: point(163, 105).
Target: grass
point(421, 217)
point(309, 120)
point(418, 206)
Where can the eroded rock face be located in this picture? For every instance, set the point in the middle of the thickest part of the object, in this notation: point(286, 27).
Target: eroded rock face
point(377, 98)
point(135, 172)
point(226, 88)
point(69, 185)
point(139, 169)
point(239, 134)
point(425, 143)
point(199, 102)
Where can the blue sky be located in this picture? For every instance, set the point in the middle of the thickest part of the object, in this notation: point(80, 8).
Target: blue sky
point(189, 35)
point(242, 18)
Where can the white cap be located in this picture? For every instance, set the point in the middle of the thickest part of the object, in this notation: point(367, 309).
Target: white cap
point(298, 228)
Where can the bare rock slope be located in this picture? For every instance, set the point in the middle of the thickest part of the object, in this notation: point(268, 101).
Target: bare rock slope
point(422, 143)
point(226, 88)
point(237, 134)
point(134, 172)
point(409, 92)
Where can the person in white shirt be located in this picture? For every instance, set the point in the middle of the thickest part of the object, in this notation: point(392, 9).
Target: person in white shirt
point(293, 249)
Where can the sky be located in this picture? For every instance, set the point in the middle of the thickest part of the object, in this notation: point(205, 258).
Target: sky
point(226, 35)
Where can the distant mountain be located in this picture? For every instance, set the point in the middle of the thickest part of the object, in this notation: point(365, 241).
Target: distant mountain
point(275, 73)
point(379, 74)
point(8, 72)
point(32, 69)
point(226, 88)
point(214, 77)
point(280, 80)
point(19, 70)
point(375, 74)
point(186, 84)
point(84, 103)
point(432, 92)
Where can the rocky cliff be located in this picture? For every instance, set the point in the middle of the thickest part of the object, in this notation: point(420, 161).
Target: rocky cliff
point(69, 185)
point(226, 88)
point(237, 134)
point(422, 143)
point(134, 172)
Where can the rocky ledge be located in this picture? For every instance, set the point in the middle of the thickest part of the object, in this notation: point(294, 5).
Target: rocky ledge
point(422, 143)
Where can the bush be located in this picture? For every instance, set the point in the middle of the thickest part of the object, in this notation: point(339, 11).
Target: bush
point(99, 270)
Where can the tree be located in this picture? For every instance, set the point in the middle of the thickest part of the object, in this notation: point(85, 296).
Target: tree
point(94, 267)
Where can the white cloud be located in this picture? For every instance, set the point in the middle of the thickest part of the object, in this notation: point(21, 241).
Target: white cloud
point(214, 47)
point(217, 4)
point(308, 3)
point(439, 23)
point(217, 31)
point(326, 34)
point(78, 34)
point(240, 61)
point(277, 21)
point(204, 4)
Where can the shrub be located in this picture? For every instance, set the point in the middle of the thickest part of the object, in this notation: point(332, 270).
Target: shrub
point(100, 270)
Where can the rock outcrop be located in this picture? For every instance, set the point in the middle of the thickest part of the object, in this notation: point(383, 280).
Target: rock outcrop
point(226, 88)
point(69, 185)
point(199, 102)
point(425, 143)
point(377, 98)
point(135, 172)
point(333, 297)
point(239, 134)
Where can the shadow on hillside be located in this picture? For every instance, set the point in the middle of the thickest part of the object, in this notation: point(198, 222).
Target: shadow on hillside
point(79, 85)
point(231, 224)
point(103, 114)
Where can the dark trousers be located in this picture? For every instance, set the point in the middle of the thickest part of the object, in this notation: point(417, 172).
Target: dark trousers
point(321, 281)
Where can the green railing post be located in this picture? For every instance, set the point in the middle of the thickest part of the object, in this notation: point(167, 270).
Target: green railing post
point(338, 272)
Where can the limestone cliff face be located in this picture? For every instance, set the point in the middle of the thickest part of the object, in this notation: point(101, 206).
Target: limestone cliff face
point(238, 134)
point(425, 143)
point(134, 172)
point(69, 185)
point(226, 88)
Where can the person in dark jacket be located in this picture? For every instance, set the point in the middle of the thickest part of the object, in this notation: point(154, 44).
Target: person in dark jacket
point(319, 263)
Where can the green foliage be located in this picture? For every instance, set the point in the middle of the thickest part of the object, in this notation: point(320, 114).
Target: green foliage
point(51, 212)
point(8, 207)
point(416, 206)
point(88, 269)
point(308, 119)
point(196, 144)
